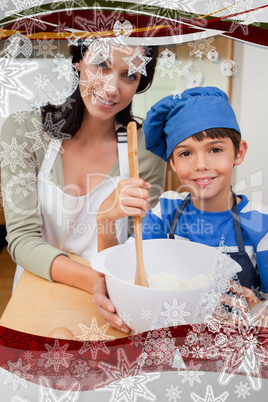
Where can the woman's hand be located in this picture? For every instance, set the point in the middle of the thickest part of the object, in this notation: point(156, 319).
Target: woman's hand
point(105, 307)
point(130, 198)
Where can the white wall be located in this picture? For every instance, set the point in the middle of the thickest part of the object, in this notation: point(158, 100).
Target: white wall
point(250, 101)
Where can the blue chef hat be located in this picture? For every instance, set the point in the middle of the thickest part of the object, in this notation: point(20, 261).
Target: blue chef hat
point(172, 120)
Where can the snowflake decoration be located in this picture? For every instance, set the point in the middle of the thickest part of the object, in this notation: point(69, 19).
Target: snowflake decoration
point(125, 380)
point(52, 129)
point(79, 369)
point(72, 39)
point(137, 62)
point(126, 318)
point(175, 313)
point(243, 17)
point(26, 9)
point(100, 22)
point(41, 81)
point(18, 44)
point(167, 63)
point(10, 75)
point(147, 314)
point(209, 396)
point(13, 154)
point(46, 393)
point(177, 93)
point(96, 84)
point(92, 335)
point(122, 28)
point(211, 7)
point(61, 384)
point(201, 47)
point(3, 4)
point(17, 374)
point(242, 390)
point(45, 47)
point(21, 183)
point(64, 66)
point(191, 374)
point(19, 117)
point(173, 394)
point(58, 115)
point(56, 355)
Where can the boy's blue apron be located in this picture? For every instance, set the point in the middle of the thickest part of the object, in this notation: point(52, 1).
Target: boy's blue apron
point(249, 276)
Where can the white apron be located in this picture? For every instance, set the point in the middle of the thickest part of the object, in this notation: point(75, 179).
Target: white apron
point(69, 222)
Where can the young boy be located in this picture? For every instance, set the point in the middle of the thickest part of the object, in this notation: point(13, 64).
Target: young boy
point(200, 137)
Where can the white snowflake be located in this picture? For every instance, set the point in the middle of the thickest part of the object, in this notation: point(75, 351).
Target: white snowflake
point(13, 154)
point(56, 355)
point(46, 393)
point(242, 390)
point(61, 384)
point(147, 314)
point(209, 396)
point(37, 105)
point(41, 81)
point(137, 62)
point(126, 381)
point(72, 39)
point(28, 355)
point(167, 63)
point(173, 394)
point(175, 313)
point(20, 183)
point(96, 84)
point(64, 67)
point(19, 117)
point(17, 374)
point(243, 17)
point(201, 47)
point(10, 74)
point(3, 4)
point(26, 9)
point(212, 7)
point(191, 374)
point(92, 336)
point(126, 318)
point(45, 47)
point(176, 93)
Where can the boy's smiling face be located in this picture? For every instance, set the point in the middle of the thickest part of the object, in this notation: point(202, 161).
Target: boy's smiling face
point(205, 169)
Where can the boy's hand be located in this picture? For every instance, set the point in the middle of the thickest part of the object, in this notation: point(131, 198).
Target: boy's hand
point(130, 198)
point(106, 308)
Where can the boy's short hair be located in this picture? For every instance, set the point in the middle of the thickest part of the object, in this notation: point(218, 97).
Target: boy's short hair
point(213, 133)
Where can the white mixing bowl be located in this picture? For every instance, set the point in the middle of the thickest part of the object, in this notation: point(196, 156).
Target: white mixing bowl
point(144, 308)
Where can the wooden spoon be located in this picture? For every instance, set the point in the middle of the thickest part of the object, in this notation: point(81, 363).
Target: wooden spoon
point(132, 142)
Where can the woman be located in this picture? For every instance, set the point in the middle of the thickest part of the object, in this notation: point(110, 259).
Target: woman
point(53, 186)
